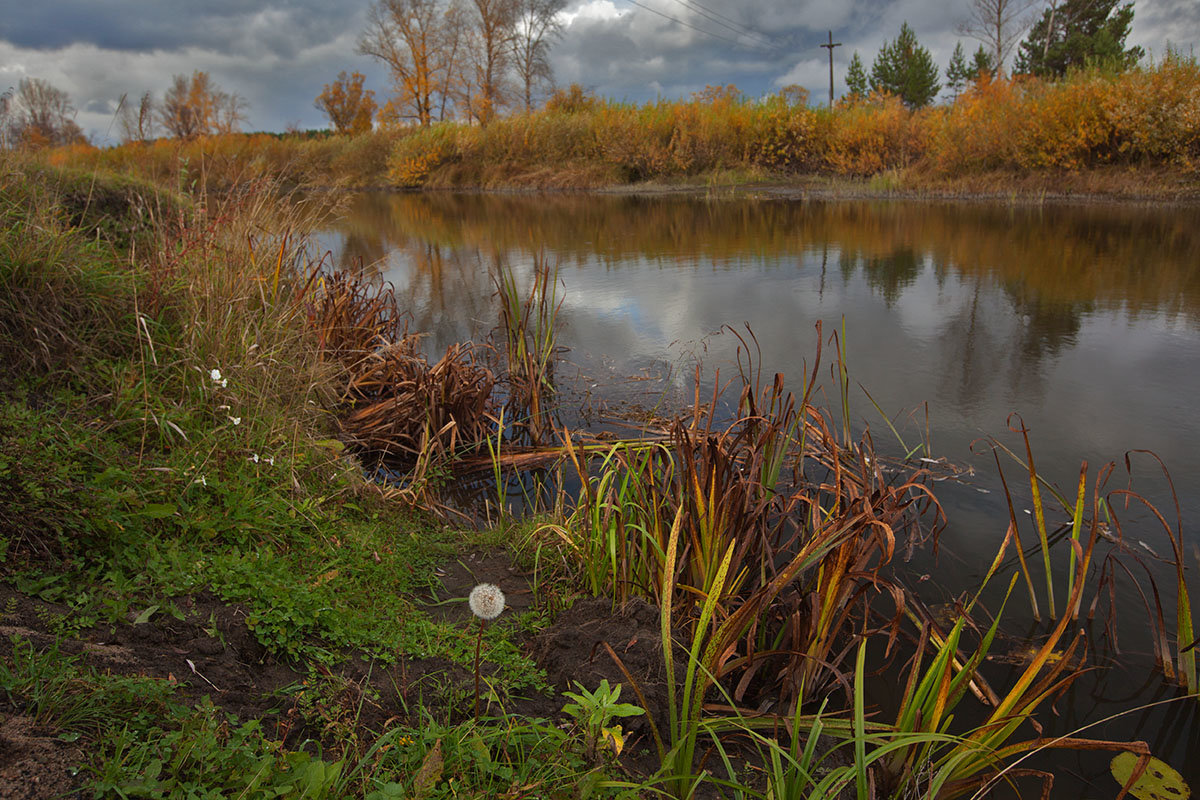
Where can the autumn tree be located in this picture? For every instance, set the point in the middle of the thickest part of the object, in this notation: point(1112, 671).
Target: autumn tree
point(197, 107)
point(347, 105)
point(408, 36)
point(536, 26)
point(997, 25)
point(906, 69)
point(575, 99)
point(1074, 33)
point(41, 115)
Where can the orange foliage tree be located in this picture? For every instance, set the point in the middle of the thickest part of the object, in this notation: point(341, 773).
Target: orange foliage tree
point(198, 107)
point(347, 105)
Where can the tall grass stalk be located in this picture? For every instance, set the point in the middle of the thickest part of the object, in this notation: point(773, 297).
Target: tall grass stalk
point(529, 325)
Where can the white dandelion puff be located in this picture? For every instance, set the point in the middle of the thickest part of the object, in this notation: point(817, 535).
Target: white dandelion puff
point(486, 601)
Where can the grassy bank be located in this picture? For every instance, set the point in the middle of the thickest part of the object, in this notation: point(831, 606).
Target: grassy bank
point(1130, 134)
point(202, 594)
point(206, 595)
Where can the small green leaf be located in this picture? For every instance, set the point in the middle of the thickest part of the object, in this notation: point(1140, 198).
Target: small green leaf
point(145, 616)
point(1158, 782)
point(157, 510)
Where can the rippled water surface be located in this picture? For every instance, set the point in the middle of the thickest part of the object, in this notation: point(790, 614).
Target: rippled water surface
point(1085, 320)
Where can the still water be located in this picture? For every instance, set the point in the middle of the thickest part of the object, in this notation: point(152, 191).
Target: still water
point(1084, 320)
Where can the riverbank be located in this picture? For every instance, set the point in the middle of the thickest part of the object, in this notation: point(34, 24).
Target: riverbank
point(1129, 136)
point(1101, 186)
point(201, 592)
point(189, 516)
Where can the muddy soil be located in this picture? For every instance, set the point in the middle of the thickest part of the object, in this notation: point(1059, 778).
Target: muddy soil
point(211, 652)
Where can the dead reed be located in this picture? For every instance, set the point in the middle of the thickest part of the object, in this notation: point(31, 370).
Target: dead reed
point(394, 404)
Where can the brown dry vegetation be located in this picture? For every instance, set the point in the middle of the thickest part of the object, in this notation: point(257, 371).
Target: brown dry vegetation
point(1129, 134)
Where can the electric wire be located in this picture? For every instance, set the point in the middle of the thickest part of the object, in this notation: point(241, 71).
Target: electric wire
point(725, 22)
point(675, 19)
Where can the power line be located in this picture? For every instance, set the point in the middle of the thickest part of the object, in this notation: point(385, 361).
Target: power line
point(736, 27)
point(749, 31)
point(685, 24)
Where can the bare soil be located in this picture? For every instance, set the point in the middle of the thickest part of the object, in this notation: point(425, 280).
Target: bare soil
point(212, 653)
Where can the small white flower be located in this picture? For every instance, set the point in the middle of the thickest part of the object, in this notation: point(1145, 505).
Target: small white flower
point(486, 601)
point(254, 458)
point(270, 460)
point(236, 420)
point(215, 375)
point(200, 480)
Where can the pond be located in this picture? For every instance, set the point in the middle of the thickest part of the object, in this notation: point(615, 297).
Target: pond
point(1082, 319)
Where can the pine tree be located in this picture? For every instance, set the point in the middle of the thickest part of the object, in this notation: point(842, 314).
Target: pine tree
point(1075, 33)
point(856, 77)
point(957, 73)
point(906, 69)
point(982, 63)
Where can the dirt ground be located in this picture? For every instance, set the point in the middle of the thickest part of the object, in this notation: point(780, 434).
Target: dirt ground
point(212, 653)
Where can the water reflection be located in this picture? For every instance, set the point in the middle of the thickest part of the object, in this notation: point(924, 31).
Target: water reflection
point(1083, 318)
point(1135, 258)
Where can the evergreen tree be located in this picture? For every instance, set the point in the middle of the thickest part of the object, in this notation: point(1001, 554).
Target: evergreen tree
point(906, 69)
point(982, 63)
point(856, 77)
point(1074, 33)
point(957, 73)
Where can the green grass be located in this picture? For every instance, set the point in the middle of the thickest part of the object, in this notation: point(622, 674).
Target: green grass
point(132, 477)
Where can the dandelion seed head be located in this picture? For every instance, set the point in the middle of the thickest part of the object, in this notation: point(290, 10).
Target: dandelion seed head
point(486, 601)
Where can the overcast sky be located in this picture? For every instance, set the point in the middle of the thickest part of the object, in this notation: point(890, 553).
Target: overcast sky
point(278, 53)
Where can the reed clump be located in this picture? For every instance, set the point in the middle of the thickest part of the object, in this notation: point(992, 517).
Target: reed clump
point(780, 521)
point(393, 403)
point(528, 330)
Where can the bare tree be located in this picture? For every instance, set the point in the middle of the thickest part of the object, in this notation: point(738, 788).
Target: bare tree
point(41, 115)
point(536, 26)
point(229, 112)
point(449, 72)
point(998, 25)
point(406, 36)
point(137, 121)
point(490, 53)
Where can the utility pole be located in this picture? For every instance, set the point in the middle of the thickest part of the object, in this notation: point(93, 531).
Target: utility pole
point(832, 44)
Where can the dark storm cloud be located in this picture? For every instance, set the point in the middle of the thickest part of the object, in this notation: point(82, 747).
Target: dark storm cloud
point(223, 26)
point(1167, 22)
point(758, 45)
